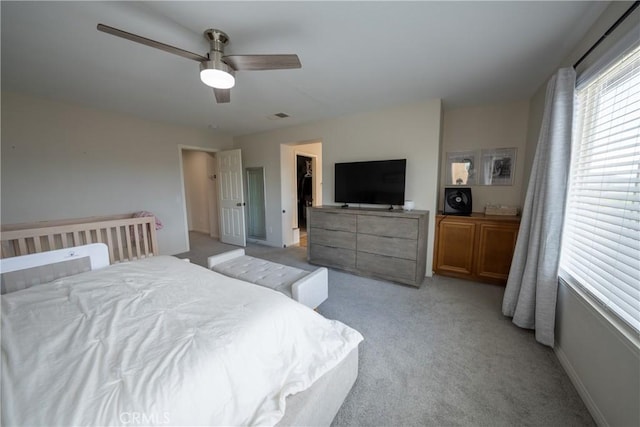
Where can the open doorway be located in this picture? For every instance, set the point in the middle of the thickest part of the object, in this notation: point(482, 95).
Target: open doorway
point(292, 179)
point(304, 180)
point(199, 172)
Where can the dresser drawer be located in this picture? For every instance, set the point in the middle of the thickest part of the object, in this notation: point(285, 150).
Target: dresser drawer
point(333, 221)
point(332, 257)
point(333, 238)
point(392, 268)
point(390, 246)
point(406, 228)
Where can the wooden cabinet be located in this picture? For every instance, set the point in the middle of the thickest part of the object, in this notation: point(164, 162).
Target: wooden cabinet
point(477, 247)
point(454, 247)
point(390, 245)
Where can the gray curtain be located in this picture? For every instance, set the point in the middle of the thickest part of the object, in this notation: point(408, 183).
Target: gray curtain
point(530, 295)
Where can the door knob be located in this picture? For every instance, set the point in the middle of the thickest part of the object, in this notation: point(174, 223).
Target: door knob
point(240, 204)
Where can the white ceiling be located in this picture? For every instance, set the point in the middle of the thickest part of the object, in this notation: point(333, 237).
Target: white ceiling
point(356, 56)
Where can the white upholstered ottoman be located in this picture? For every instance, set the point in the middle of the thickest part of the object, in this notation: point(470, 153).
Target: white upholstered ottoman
point(307, 287)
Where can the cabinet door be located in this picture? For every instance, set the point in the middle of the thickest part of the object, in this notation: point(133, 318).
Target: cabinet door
point(496, 243)
point(455, 248)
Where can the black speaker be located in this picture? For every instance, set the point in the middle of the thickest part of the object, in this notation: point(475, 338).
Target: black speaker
point(457, 201)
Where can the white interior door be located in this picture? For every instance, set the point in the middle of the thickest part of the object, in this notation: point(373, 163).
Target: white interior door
point(231, 198)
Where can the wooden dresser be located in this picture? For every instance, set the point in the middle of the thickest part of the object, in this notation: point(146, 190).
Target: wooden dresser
point(477, 247)
point(386, 244)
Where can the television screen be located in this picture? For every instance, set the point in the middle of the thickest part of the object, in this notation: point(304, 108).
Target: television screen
point(376, 182)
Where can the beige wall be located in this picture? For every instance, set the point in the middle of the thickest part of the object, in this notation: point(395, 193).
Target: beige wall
point(410, 131)
point(536, 110)
point(486, 127)
point(65, 161)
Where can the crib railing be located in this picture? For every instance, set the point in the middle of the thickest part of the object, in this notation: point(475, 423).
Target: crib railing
point(127, 238)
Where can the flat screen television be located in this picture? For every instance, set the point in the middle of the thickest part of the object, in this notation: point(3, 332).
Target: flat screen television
point(376, 182)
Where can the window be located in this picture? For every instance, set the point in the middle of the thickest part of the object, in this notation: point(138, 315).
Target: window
point(601, 240)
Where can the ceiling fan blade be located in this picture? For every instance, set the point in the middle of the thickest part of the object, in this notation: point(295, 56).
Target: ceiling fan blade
point(262, 62)
point(151, 43)
point(222, 95)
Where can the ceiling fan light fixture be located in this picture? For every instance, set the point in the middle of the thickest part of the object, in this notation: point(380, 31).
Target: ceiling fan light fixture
point(217, 75)
point(217, 70)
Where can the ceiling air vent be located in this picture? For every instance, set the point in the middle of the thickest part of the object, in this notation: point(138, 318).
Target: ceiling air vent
point(278, 116)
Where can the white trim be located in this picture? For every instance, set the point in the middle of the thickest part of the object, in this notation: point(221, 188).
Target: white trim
point(197, 148)
point(580, 387)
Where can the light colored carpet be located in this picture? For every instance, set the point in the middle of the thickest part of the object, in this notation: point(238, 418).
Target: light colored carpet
point(440, 355)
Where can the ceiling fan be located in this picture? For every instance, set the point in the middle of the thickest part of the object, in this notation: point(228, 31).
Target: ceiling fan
point(216, 69)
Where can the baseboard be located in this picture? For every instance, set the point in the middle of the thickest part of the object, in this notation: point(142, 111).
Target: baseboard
point(262, 242)
point(200, 231)
point(582, 390)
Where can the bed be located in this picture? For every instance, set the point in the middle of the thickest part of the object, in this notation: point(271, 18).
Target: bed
point(160, 341)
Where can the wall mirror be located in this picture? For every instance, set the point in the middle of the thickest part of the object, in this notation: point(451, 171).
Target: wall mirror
point(461, 168)
point(256, 221)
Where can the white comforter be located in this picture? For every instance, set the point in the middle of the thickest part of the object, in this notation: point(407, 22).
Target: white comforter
point(159, 341)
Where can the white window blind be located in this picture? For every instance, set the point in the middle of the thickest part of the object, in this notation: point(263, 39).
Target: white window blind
point(601, 240)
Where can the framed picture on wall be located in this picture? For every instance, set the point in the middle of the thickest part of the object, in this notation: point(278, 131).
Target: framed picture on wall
point(498, 166)
point(461, 168)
